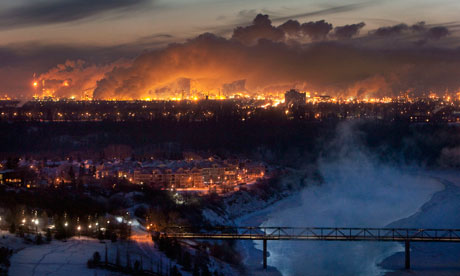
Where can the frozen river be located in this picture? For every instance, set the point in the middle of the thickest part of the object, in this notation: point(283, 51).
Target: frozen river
point(355, 205)
point(370, 197)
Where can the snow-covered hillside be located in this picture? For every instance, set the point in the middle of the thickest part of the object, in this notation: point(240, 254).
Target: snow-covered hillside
point(442, 211)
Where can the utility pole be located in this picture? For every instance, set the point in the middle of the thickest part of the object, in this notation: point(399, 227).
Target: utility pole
point(265, 253)
point(407, 251)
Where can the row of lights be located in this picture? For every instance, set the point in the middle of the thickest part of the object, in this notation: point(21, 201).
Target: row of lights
point(34, 221)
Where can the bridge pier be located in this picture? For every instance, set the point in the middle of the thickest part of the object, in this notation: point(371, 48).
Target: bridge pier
point(265, 254)
point(407, 251)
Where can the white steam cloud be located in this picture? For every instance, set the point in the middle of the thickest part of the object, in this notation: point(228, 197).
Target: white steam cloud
point(358, 191)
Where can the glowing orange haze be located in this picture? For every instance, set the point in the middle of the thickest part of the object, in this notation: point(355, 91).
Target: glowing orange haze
point(217, 67)
point(264, 60)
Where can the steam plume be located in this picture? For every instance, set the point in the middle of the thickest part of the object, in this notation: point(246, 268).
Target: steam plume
point(315, 56)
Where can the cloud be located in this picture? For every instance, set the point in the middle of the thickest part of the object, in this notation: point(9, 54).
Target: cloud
point(316, 30)
point(328, 11)
point(342, 67)
point(421, 30)
point(348, 31)
point(358, 191)
point(290, 27)
point(20, 62)
point(437, 32)
point(396, 29)
point(62, 11)
point(245, 14)
point(258, 58)
point(74, 78)
point(261, 28)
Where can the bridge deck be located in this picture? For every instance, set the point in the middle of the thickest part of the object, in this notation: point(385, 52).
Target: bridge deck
point(317, 233)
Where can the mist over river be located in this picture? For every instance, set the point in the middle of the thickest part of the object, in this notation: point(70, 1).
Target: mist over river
point(338, 204)
point(358, 191)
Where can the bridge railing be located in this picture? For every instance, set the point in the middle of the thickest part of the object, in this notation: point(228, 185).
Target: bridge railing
point(315, 233)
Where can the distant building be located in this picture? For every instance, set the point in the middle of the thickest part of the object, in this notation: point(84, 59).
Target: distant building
point(220, 176)
point(4, 175)
point(142, 177)
point(294, 97)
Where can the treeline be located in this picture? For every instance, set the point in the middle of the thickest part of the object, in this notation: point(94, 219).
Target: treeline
point(24, 138)
point(198, 263)
point(5, 254)
point(276, 141)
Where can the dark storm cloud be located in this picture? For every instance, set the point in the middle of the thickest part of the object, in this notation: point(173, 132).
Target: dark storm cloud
point(263, 56)
point(395, 30)
point(244, 14)
point(290, 27)
point(61, 11)
point(316, 30)
point(348, 31)
point(437, 32)
point(261, 28)
point(420, 29)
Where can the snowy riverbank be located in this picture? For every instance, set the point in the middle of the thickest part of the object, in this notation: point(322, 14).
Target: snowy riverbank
point(376, 203)
point(440, 212)
point(70, 258)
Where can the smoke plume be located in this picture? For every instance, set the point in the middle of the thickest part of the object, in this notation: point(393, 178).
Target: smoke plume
point(358, 191)
point(75, 79)
point(264, 58)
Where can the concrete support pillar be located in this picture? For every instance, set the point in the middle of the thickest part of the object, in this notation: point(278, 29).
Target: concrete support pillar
point(407, 250)
point(265, 254)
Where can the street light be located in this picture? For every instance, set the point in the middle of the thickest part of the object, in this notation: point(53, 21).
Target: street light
point(36, 226)
point(65, 231)
point(130, 223)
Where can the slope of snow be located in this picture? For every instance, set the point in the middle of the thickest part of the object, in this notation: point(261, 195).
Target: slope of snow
point(442, 211)
point(57, 258)
point(70, 258)
point(370, 197)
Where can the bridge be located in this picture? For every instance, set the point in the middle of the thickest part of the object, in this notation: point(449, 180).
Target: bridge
point(406, 235)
